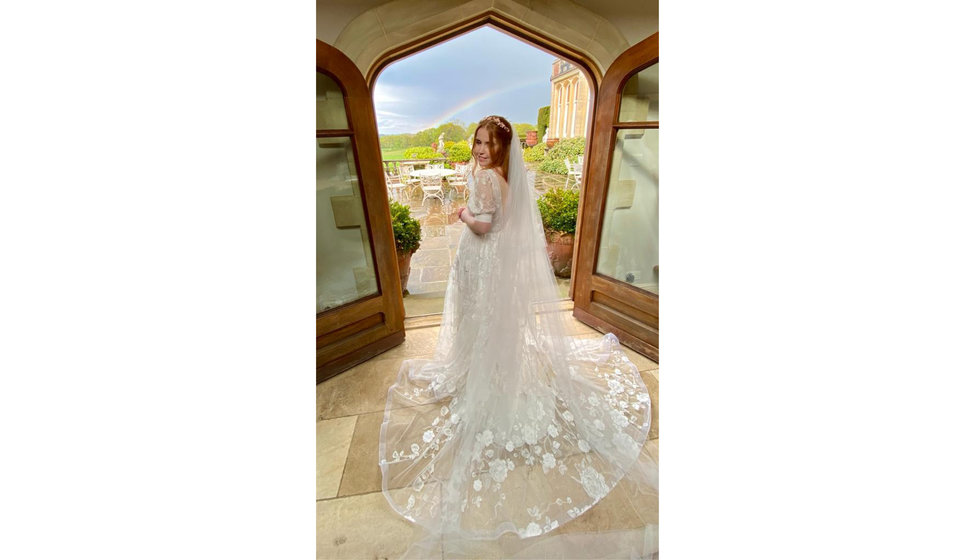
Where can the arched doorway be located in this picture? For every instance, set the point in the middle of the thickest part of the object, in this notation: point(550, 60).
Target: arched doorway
point(603, 300)
point(443, 90)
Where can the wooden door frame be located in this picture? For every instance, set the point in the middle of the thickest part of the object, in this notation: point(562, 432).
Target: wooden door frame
point(632, 314)
point(518, 30)
point(357, 331)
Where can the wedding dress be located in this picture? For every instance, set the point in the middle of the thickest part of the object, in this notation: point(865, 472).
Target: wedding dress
point(513, 428)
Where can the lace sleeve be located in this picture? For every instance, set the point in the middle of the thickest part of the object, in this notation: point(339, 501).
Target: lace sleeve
point(483, 203)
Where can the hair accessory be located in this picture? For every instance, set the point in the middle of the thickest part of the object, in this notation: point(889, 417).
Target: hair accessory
point(496, 120)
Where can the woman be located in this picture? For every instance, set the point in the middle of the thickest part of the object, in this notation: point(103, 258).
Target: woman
point(513, 426)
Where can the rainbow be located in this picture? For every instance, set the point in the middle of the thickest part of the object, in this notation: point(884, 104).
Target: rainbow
point(443, 118)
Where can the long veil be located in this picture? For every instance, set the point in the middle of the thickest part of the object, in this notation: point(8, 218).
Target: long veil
point(499, 444)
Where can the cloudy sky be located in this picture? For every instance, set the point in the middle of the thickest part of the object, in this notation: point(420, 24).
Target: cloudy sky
point(466, 78)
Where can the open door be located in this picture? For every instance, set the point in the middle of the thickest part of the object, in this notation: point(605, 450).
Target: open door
point(618, 263)
point(358, 301)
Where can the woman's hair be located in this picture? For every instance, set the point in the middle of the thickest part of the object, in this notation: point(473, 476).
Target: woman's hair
point(500, 132)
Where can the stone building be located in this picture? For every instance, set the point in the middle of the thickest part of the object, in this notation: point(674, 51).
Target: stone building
point(569, 101)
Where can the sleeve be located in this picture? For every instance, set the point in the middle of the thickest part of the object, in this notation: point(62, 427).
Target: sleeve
point(482, 203)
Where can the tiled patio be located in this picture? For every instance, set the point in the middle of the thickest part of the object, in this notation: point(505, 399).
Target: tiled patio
point(353, 518)
point(440, 238)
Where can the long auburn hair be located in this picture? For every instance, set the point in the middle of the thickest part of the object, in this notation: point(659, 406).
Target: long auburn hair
point(500, 139)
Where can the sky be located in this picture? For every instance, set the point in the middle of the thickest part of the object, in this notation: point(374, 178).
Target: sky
point(483, 72)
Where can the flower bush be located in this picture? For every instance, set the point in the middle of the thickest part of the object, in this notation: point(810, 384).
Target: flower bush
point(553, 166)
point(553, 160)
point(535, 153)
point(559, 208)
point(569, 148)
point(408, 230)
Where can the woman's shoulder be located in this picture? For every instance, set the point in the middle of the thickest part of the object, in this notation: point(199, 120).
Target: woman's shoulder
point(490, 172)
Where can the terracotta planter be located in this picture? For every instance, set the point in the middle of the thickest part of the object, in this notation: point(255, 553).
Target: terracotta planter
point(560, 247)
point(532, 137)
point(552, 142)
point(404, 269)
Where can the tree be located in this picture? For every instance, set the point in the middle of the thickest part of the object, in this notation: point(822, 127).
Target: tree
point(544, 117)
point(454, 133)
point(425, 137)
point(395, 141)
point(453, 130)
point(522, 128)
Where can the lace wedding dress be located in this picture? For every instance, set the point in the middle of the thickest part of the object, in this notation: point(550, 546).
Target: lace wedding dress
point(513, 427)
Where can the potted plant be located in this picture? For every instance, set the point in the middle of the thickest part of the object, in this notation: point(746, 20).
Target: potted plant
point(559, 209)
point(408, 236)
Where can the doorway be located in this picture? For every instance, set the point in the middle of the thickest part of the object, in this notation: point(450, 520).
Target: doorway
point(427, 105)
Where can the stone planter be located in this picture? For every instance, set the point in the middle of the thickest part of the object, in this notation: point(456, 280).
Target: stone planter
point(560, 247)
point(404, 269)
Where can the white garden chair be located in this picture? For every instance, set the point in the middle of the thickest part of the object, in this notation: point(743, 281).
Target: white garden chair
point(395, 187)
point(405, 176)
point(432, 188)
point(457, 182)
point(574, 173)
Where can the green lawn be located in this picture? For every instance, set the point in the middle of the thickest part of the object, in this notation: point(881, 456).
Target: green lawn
point(393, 154)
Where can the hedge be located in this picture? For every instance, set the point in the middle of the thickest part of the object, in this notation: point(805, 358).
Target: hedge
point(422, 152)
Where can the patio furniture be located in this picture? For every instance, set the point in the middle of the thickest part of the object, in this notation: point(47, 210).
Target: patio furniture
point(437, 172)
point(395, 187)
point(405, 176)
point(432, 187)
point(457, 182)
point(574, 173)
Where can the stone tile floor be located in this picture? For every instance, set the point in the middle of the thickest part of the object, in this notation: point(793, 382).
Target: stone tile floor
point(353, 518)
point(441, 231)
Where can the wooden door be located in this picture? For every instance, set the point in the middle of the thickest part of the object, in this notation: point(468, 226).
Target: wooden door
point(359, 303)
point(618, 266)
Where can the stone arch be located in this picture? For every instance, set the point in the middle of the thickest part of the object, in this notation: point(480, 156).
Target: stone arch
point(394, 29)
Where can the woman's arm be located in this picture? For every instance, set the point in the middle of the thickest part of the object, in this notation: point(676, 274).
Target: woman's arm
point(475, 225)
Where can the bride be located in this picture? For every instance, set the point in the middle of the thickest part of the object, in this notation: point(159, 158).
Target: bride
point(513, 429)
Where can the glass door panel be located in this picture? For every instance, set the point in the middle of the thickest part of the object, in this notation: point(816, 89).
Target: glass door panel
point(359, 310)
point(629, 243)
point(617, 284)
point(330, 110)
point(641, 96)
point(345, 269)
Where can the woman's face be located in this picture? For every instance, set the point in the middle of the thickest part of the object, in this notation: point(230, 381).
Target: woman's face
point(481, 147)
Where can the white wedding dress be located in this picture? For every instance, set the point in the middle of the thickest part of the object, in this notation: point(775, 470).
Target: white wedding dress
point(513, 427)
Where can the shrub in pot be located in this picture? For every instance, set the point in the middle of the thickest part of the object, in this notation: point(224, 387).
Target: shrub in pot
point(559, 209)
point(408, 236)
